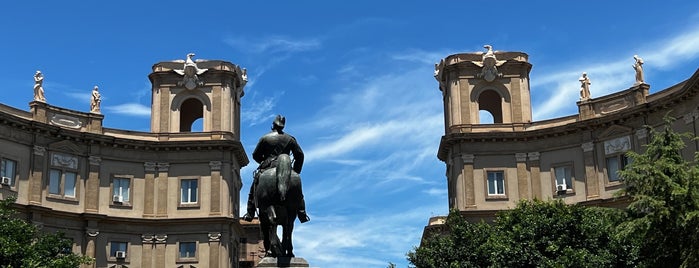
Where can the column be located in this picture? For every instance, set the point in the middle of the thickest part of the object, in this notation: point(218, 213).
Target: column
point(91, 235)
point(591, 180)
point(147, 245)
point(215, 191)
point(92, 185)
point(535, 173)
point(161, 203)
point(465, 183)
point(149, 192)
point(214, 249)
point(522, 176)
point(37, 175)
point(160, 241)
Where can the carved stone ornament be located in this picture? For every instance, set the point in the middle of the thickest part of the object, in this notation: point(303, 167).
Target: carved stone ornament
point(163, 166)
point(147, 238)
point(641, 133)
point(690, 117)
point(490, 65)
point(533, 156)
point(95, 160)
point(190, 73)
point(468, 158)
point(62, 160)
point(617, 145)
point(521, 157)
point(66, 121)
point(160, 238)
point(215, 165)
point(587, 147)
point(92, 232)
point(38, 150)
point(214, 237)
point(149, 166)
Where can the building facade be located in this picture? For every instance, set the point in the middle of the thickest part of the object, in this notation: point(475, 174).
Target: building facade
point(491, 166)
point(165, 198)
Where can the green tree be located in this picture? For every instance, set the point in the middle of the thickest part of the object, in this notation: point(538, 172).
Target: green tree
point(664, 212)
point(22, 244)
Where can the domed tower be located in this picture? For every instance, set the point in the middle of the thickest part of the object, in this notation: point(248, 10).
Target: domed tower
point(185, 91)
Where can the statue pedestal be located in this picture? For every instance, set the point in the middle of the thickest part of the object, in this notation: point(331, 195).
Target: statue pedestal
point(282, 262)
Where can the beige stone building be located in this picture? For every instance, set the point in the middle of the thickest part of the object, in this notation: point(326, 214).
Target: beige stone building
point(490, 166)
point(165, 198)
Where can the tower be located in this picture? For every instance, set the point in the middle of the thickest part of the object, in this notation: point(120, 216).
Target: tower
point(496, 82)
point(187, 90)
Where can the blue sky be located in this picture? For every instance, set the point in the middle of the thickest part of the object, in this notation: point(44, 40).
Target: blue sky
point(354, 80)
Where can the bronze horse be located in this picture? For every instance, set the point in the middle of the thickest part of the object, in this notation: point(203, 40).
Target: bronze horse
point(278, 196)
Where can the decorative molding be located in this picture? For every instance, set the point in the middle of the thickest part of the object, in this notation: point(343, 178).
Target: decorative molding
point(214, 236)
point(521, 157)
point(617, 145)
point(91, 232)
point(147, 238)
point(587, 147)
point(149, 166)
point(66, 121)
point(690, 117)
point(160, 238)
point(215, 165)
point(641, 133)
point(533, 156)
point(62, 160)
point(95, 160)
point(467, 158)
point(39, 150)
point(163, 166)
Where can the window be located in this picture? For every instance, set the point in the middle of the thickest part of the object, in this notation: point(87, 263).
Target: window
point(8, 170)
point(62, 182)
point(121, 190)
point(63, 176)
point(189, 191)
point(496, 183)
point(614, 165)
point(188, 250)
point(118, 246)
point(564, 178)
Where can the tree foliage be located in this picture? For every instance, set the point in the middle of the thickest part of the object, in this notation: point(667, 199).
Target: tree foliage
point(664, 212)
point(23, 245)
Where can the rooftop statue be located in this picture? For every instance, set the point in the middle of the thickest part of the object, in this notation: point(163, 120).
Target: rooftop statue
point(95, 101)
point(489, 64)
point(638, 66)
point(276, 189)
point(38, 87)
point(191, 73)
point(584, 86)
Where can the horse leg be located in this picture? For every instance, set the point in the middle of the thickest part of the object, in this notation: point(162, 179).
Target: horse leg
point(265, 227)
point(276, 246)
point(287, 245)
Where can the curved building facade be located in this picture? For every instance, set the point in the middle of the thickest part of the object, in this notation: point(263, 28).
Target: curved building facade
point(489, 167)
point(165, 198)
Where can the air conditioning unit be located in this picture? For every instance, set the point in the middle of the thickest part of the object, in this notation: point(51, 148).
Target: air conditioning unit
point(120, 254)
point(561, 187)
point(117, 199)
point(6, 181)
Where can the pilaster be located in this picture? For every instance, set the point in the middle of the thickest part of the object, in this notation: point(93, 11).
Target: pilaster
point(522, 176)
point(149, 196)
point(214, 249)
point(37, 175)
point(591, 179)
point(161, 195)
point(535, 173)
point(465, 183)
point(215, 191)
point(92, 185)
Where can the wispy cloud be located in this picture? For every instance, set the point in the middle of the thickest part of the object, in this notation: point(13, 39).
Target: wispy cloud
point(260, 109)
point(135, 109)
point(557, 92)
point(273, 44)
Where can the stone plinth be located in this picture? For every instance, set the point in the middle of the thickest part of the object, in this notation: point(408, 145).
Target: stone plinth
point(282, 262)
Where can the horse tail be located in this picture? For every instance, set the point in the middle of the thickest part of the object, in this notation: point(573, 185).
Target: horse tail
point(283, 174)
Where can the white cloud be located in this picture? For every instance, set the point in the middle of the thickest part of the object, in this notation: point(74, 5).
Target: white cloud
point(135, 109)
point(259, 111)
point(273, 44)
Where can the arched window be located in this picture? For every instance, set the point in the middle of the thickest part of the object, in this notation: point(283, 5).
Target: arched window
point(491, 101)
point(190, 110)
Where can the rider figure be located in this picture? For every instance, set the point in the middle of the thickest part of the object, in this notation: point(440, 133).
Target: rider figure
point(268, 148)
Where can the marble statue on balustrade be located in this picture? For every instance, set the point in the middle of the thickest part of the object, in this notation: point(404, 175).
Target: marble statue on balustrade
point(638, 67)
point(584, 86)
point(95, 101)
point(38, 87)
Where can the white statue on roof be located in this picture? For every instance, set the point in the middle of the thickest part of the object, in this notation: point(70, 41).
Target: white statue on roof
point(191, 73)
point(489, 63)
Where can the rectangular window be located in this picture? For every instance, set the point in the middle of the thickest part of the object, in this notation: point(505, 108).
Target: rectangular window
point(188, 250)
point(8, 169)
point(496, 183)
point(189, 191)
point(121, 188)
point(62, 182)
point(614, 165)
point(117, 246)
point(564, 178)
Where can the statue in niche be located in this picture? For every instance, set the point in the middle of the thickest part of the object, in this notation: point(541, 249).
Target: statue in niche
point(638, 66)
point(38, 87)
point(190, 73)
point(276, 189)
point(489, 63)
point(95, 101)
point(584, 86)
